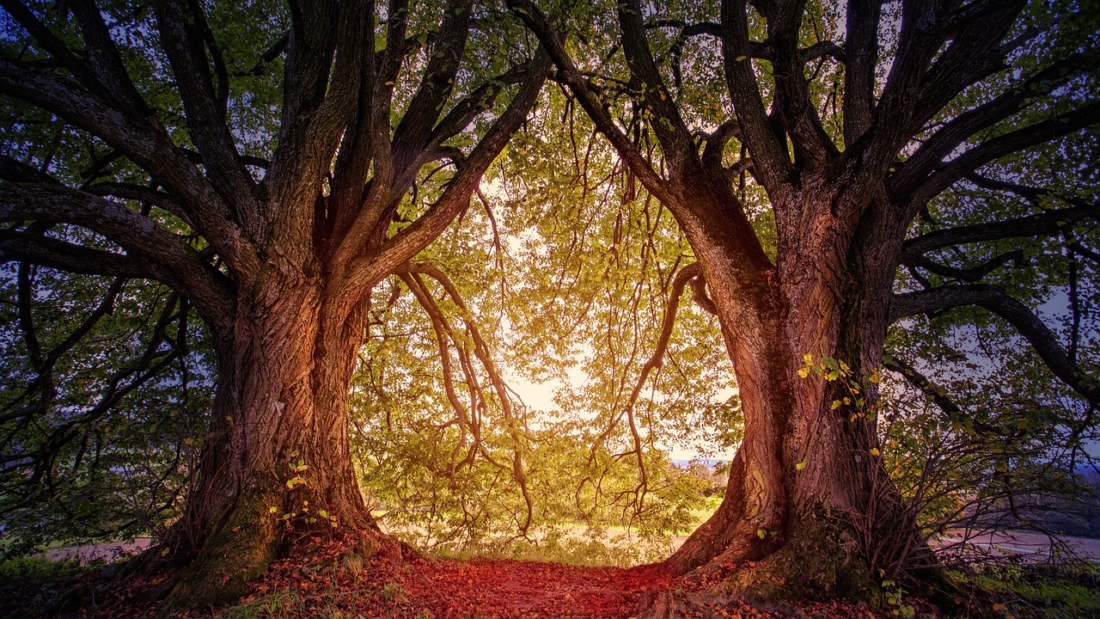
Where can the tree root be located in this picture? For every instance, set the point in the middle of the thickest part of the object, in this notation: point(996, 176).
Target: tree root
point(236, 552)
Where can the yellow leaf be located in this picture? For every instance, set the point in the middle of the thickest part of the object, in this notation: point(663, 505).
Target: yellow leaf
point(800, 466)
point(803, 372)
point(741, 58)
point(272, 509)
point(874, 451)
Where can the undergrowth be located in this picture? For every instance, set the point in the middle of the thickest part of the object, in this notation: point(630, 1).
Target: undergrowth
point(1070, 589)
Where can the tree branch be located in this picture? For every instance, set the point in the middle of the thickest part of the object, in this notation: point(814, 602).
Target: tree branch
point(996, 300)
point(970, 122)
point(578, 85)
point(203, 284)
point(149, 146)
point(64, 256)
point(771, 163)
point(967, 275)
point(667, 124)
point(182, 43)
point(945, 175)
point(364, 272)
point(1043, 224)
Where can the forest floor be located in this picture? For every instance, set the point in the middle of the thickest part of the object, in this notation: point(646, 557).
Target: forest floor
point(367, 578)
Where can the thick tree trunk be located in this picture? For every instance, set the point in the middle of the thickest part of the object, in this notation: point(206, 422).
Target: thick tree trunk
point(277, 463)
point(807, 481)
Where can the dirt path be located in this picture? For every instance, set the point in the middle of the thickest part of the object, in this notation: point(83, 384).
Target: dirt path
point(362, 576)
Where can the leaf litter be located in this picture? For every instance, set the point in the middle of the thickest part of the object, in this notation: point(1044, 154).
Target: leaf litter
point(369, 576)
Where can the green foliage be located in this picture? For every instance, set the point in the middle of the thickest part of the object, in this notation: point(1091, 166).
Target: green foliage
point(557, 302)
point(275, 604)
point(1069, 590)
point(120, 414)
point(19, 568)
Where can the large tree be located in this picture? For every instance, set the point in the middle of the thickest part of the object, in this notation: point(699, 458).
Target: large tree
point(263, 162)
point(797, 143)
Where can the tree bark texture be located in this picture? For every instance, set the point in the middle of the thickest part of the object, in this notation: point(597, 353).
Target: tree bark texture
point(808, 493)
point(278, 460)
point(288, 257)
point(802, 480)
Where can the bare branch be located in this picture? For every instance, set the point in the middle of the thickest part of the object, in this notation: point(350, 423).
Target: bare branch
point(182, 42)
point(969, 123)
point(931, 391)
point(64, 256)
point(971, 275)
point(1057, 126)
point(667, 123)
point(771, 163)
point(861, 48)
point(138, 234)
point(1043, 224)
point(105, 60)
point(578, 85)
point(996, 300)
point(149, 146)
point(367, 270)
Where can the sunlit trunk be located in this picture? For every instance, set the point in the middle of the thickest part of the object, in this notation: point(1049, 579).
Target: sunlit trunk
point(807, 479)
point(277, 461)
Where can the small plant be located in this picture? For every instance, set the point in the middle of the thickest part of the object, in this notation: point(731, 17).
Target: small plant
point(272, 605)
point(36, 567)
point(392, 591)
point(353, 563)
point(895, 599)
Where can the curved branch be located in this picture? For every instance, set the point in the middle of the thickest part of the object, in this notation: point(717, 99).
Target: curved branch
point(147, 144)
point(56, 48)
point(182, 40)
point(996, 300)
point(368, 270)
point(969, 123)
point(578, 85)
point(926, 386)
point(771, 162)
point(138, 234)
point(1048, 223)
point(948, 173)
point(971, 275)
point(129, 191)
point(64, 256)
point(667, 124)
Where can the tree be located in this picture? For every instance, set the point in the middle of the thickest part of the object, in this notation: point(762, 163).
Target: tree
point(263, 163)
point(798, 176)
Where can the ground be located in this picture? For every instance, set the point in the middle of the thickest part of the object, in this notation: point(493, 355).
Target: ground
point(363, 576)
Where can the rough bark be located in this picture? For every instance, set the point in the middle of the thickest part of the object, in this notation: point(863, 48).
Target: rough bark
point(289, 260)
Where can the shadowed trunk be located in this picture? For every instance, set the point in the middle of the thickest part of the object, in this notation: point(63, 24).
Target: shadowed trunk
point(277, 465)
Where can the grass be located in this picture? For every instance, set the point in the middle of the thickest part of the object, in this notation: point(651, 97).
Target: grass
point(275, 604)
point(1035, 592)
point(36, 567)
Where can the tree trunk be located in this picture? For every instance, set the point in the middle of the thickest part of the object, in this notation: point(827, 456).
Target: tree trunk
point(277, 464)
point(807, 481)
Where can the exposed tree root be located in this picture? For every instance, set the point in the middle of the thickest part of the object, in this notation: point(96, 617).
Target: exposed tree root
point(237, 551)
